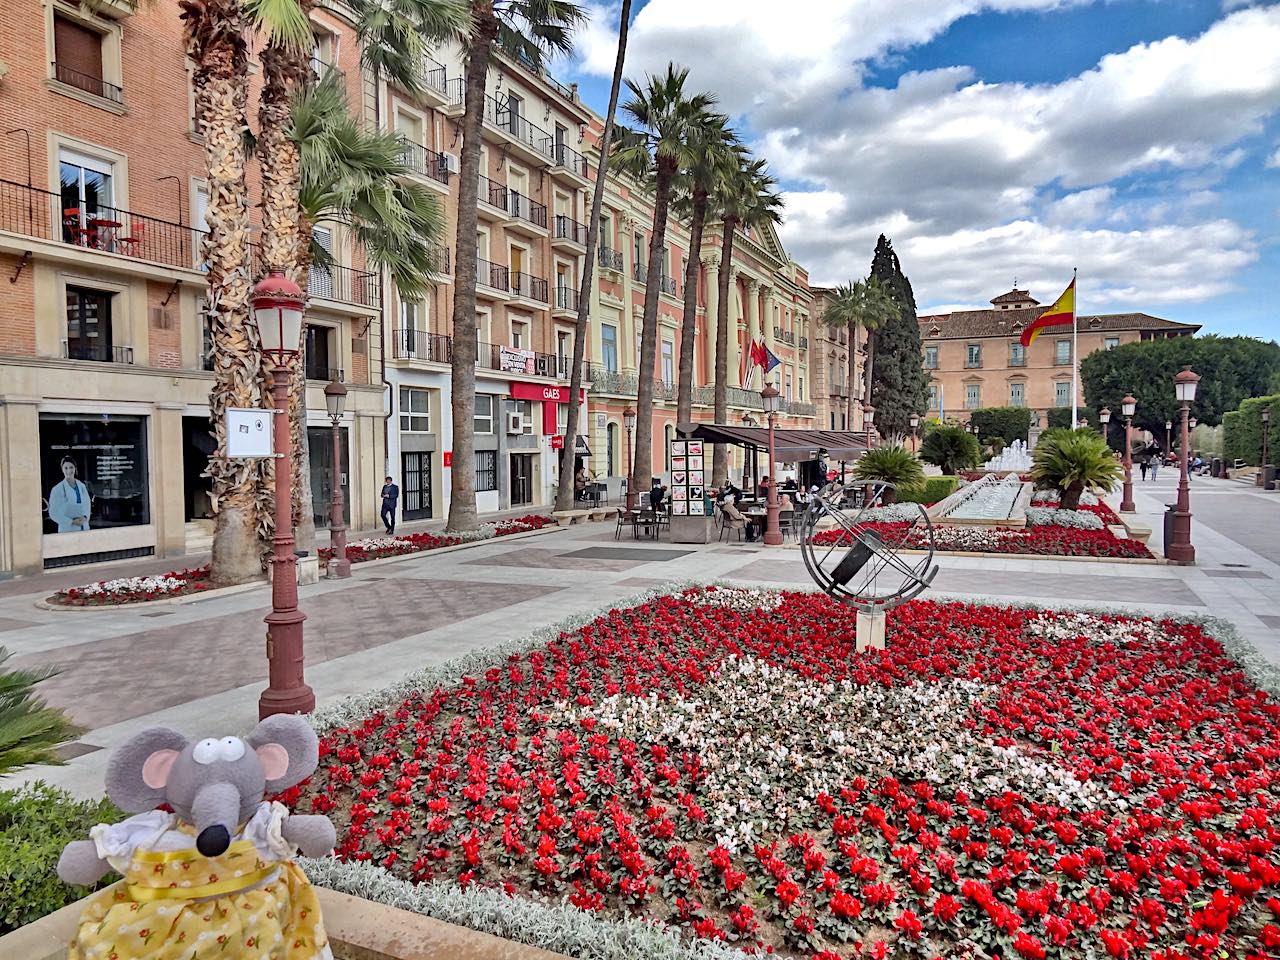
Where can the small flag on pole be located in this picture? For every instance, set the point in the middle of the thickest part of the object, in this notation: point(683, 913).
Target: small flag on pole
point(768, 360)
point(1062, 312)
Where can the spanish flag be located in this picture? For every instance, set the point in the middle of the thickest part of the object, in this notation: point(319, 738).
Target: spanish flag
point(1061, 313)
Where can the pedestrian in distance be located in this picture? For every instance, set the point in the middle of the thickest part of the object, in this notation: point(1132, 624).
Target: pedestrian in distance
point(390, 499)
point(1144, 464)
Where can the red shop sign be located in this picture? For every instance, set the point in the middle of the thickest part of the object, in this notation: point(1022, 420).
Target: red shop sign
point(557, 442)
point(448, 458)
point(542, 393)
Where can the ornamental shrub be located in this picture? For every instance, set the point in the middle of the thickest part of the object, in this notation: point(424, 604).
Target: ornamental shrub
point(1060, 417)
point(933, 490)
point(951, 448)
point(36, 822)
point(1248, 430)
point(1005, 424)
point(1072, 461)
point(896, 465)
point(29, 728)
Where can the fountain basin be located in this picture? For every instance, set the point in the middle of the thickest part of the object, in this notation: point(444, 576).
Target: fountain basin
point(996, 500)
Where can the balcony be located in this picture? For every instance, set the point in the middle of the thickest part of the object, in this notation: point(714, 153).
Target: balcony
point(565, 159)
point(784, 336)
point(528, 287)
point(411, 344)
point(640, 273)
point(568, 232)
point(39, 214)
point(799, 409)
point(88, 83)
point(496, 356)
point(433, 78)
point(527, 215)
point(804, 343)
point(492, 277)
point(442, 267)
point(322, 68)
point(97, 352)
point(316, 371)
point(493, 199)
point(531, 142)
point(345, 285)
point(1017, 360)
point(566, 301)
point(609, 259)
point(667, 285)
point(425, 162)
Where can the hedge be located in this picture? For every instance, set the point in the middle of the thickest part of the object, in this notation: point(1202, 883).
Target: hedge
point(1005, 424)
point(36, 822)
point(1061, 416)
point(1242, 430)
point(933, 490)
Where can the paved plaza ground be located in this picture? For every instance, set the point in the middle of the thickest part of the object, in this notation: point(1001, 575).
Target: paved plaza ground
point(199, 666)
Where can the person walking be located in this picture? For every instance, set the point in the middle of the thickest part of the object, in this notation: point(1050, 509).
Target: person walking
point(1144, 464)
point(390, 498)
point(1155, 461)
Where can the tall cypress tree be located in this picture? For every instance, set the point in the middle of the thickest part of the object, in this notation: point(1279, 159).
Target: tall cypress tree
point(899, 384)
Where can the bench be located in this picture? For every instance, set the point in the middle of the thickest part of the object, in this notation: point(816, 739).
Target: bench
point(565, 518)
point(1133, 531)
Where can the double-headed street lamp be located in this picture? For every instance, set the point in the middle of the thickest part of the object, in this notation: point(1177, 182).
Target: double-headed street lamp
point(629, 424)
point(278, 305)
point(1179, 548)
point(335, 400)
point(772, 400)
point(1127, 407)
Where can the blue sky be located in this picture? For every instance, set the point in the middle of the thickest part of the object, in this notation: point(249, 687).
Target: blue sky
point(1000, 138)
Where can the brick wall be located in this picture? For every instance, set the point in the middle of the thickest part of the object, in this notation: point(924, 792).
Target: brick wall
point(17, 307)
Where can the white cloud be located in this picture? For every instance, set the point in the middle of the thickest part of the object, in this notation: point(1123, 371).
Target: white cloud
point(978, 181)
point(1273, 161)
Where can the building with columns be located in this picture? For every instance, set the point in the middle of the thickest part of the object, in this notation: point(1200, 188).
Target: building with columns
point(837, 391)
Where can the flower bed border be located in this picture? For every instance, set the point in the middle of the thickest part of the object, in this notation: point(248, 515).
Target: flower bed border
point(562, 927)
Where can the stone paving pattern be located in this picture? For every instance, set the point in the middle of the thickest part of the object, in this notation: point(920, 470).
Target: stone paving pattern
point(200, 666)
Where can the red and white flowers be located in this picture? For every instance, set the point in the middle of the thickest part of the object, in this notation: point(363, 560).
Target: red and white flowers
point(175, 583)
point(998, 781)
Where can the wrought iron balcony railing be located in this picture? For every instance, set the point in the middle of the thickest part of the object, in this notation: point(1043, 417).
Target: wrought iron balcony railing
point(525, 208)
point(88, 83)
point(424, 160)
point(493, 275)
point(409, 343)
point(492, 192)
point(530, 287)
point(609, 258)
point(566, 299)
point(566, 228)
point(98, 352)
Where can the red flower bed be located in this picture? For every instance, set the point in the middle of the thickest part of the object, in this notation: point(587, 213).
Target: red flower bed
point(404, 543)
point(1048, 541)
point(998, 782)
point(161, 586)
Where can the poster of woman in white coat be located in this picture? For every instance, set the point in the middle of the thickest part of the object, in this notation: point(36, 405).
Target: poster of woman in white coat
point(69, 501)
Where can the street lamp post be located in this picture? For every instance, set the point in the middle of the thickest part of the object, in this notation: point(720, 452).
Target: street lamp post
point(772, 530)
point(335, 400)
point(1104, 418)
point(629, 422)
point(1168, 436)
point(1266, 459)
point(915, 425)
point(1179, 548)
point(868, 417)
point(1127, 406)
point(278, 305)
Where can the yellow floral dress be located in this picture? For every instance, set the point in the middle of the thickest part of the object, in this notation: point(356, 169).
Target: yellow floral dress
point(250, 903)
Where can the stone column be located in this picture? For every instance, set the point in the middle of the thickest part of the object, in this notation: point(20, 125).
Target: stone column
point(710, 324)
point(21, 499)
point(735, 318)
point(753, 320)
point(169, 493)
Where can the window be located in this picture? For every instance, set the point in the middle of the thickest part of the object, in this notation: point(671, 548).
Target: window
point(668, 363)
point(562, 418)
point(415, 410)
point(609, 347)
point(1017, 355)
point(408, 316)
point(317, 353)
point(320, 279)
point(564, 352)
point(973, 358)
point(486, 470)
point(483, 422)
point(972, 396)
point(933, 396)
point(86, 197)
point(519, 333)
point(788, 391)
point(1062, 352)
point(93, 470)
point(525, 409)
point(931, 358)
point(802, 389)
point(833, 419)
point(514, 107)
point(200, 201)
point(610, 449)
point(77, 56)
point(1110, 343)
point(89, 327)
point(1017, 394)
point(1062, 394)
point(206, 336)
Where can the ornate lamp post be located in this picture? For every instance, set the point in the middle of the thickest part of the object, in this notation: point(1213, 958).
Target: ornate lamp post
point(915, 425)
point(772, 532)
point(335, 400)
point(1179, 548)
point(1266, 427)
point(629, 423)
point(1127, 406)
point(1104, 418)
point(1168, 435)
point(278, 305)
point(868, 417)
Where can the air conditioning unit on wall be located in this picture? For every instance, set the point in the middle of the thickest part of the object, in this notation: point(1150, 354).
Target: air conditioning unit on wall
point(515, 422)
point(451, 162)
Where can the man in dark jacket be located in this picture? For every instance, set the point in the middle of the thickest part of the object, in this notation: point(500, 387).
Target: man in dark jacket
point(390, 497)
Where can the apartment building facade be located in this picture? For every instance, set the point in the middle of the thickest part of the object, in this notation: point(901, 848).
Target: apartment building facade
point(975, 358)
point(105, 356)
point(838, 391)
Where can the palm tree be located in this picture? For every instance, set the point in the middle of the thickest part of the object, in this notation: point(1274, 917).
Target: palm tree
point(714, 159)
point(950, 448)
point(896, 465)
point(745, 199)
point(528, 30)
point(858, 306)
point(564, 493)
point(1072, 461)
point(671, 124)
point(29, 730)
point(216, 36)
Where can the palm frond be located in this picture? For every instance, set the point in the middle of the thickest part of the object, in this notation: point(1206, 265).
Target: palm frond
point(30, 730)
point(394, 35)
point(283, 22)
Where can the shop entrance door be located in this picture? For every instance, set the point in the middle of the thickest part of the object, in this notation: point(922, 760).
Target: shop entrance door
point(415, 480)
point(320, 448)
point(521, 479)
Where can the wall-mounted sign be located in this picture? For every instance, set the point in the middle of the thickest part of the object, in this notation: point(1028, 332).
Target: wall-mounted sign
point(557, 442)
point(448, 458)
point(516, 360)
point(248, 432)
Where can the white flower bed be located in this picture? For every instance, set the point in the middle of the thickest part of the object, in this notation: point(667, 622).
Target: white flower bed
point(1053, 517)
point(1087, 498)
point(891, 513)
point(741, 599)
point(131, 586)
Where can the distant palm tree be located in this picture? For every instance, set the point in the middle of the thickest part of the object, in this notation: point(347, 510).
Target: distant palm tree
point(669, 125)
point(715, 158)
point(527, 30)
point(857, 306)
point(564, 493)
point(746, 199)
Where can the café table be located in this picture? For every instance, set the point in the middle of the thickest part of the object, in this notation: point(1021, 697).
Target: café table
point(102, 232)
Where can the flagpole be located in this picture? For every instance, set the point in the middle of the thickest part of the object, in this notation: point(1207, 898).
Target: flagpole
point(1075, 352)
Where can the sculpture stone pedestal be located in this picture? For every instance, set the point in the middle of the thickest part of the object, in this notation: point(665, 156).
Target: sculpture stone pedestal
point(1033, 435)
point(870, 631)
point(692, 529)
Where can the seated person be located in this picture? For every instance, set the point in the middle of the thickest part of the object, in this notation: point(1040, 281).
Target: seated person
point(657, 495)
point(580, 481)
point(787, 504)
point(728, 492)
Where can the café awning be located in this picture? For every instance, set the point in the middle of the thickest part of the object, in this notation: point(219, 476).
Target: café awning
point(791, 445)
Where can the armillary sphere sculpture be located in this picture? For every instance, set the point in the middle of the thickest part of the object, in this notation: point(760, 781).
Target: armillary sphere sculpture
point(857, 564)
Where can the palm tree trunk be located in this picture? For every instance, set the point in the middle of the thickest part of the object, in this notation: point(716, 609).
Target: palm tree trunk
point(642, 461)
point(564, 493)
point(871, 367)
point(720, 453)
point(689, 323)
point(215, 34)
point(462, 480)
point(853, 377)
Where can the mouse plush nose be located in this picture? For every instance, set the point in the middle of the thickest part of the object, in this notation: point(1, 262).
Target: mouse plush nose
point(213, 841)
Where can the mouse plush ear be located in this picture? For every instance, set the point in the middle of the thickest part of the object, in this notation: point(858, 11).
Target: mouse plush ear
point(287, 748)
point(139, 771)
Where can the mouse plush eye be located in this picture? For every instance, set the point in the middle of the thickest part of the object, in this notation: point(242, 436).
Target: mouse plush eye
point(230, 748)
point(206, 751)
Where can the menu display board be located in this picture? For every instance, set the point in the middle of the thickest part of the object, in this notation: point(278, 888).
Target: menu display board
point(687, 481)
